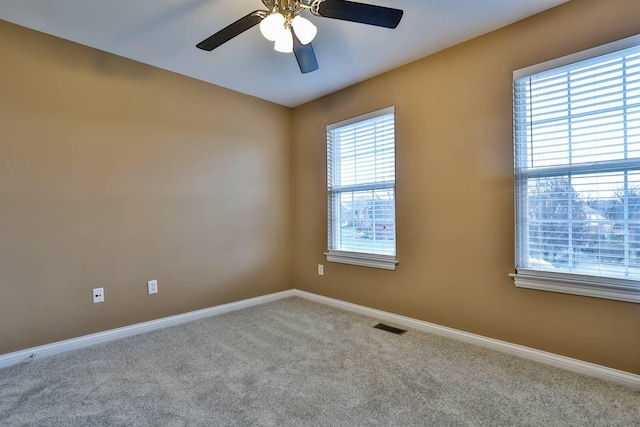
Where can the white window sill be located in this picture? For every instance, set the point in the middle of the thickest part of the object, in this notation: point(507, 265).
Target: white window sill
point(590, 286)
point(386, 262)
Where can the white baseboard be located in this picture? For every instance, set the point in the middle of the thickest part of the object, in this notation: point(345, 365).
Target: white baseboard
point(609, 374)
point(17, 357)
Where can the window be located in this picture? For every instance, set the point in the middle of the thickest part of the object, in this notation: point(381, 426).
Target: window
point(577, 173)
point(361, 190)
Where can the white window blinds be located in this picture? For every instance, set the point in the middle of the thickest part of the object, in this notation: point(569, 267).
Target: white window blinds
point(361, 184)
point(577, 171)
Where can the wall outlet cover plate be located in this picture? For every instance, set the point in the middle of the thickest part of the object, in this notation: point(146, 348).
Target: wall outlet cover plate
point(152, 287)
point(98, 295)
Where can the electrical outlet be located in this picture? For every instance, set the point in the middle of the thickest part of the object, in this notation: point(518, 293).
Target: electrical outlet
point(320, 270)
point(98, 295)
point(152, 287)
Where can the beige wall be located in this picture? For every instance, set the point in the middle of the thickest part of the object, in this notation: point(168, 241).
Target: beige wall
point(113, 173)
point(455, 192)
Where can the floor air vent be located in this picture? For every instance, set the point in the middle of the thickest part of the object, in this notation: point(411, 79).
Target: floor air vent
point(391, 329)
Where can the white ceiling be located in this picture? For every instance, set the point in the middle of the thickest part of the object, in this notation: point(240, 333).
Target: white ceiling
point(164, 33)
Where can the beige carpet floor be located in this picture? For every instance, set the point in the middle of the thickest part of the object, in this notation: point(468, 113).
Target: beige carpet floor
point(298, 363)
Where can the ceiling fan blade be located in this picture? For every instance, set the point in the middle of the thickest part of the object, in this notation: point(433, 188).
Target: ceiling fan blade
point(229, 32)
point(305, 55)
point(359, 12)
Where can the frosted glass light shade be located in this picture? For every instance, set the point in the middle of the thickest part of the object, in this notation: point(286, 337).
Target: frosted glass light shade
point(284, 42)
point(305, 30)
point(272, 26)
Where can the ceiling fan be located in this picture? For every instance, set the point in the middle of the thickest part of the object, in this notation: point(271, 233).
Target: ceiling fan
point(282, 23)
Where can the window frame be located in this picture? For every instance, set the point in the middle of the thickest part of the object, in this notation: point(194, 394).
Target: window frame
point(363, 259)
point(627, 290)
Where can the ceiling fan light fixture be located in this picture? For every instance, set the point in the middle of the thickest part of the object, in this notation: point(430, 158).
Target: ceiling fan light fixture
point(272, 26)
point(304, 29)
point(281, 23)
point(284, 42)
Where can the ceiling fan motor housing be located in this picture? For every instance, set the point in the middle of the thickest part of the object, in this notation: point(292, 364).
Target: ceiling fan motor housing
point(286, 7)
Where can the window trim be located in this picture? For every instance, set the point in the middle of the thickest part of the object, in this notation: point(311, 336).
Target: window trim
point(385, 262)
point(569, 283)
point(576, 284)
